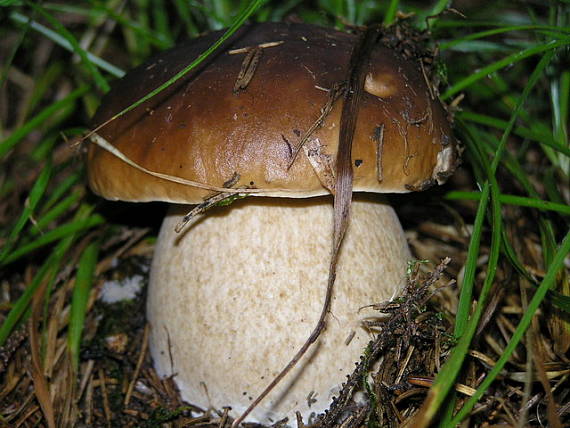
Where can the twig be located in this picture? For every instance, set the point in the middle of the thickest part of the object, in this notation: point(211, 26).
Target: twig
point(103, 386)
point(12, 344)
point(261, 46)
point(248, 67)
point(138, 366)
point(335, 93)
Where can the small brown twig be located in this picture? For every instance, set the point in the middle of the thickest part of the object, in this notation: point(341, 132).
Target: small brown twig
point(140, 361)
point(335, 93)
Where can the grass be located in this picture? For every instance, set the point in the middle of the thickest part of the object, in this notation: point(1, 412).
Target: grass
point(504, 70)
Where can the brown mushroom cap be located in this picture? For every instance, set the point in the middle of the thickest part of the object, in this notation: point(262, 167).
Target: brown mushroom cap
point(200, 130)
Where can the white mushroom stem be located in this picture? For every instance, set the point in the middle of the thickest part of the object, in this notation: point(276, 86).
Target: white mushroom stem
point(234, 297)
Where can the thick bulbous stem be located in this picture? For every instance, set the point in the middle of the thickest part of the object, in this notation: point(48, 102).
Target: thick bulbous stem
point(235, 295)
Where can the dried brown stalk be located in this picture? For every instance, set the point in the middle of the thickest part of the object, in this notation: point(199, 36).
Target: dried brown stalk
point(343, 191)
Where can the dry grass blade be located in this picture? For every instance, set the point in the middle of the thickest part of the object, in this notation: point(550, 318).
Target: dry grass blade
point(138, 367)
point(538, 354)
point(41, 389)
point(349, 115)
point(334, 94)
point(342, 195)
point(104, 144)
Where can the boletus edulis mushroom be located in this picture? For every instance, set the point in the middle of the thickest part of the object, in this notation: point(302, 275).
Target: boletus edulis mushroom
point(236, 293)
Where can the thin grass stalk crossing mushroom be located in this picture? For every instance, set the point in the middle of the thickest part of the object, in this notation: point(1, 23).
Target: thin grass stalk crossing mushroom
point(235, 294)
point(342, 196)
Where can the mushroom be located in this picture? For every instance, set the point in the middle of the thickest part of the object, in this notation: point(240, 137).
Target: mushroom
point(236, 294)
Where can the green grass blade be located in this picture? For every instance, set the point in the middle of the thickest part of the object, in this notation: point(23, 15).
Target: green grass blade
point(390, 15)
point(468, 23)
point(253, 6)
point(508, 29)
point(446, 377)
point(559, 91)
point(61, 189)
point(183, 10)
point(160, 18)
point(547, 283)
point(470, 326)
point(427, 18)
point(23, 301)
point(32, 201)
point(155, 38)
point(560, 300)
point(56, 234)
point(509, 60)
point(42, 84)
point(551, 183)
point(7, 144)
point(496, 218)
point(464, 328)
point(466, 296)
point(536, 74)
point(7, 62)
point(520, 201)
point(100, 81)
point(81, 291)
point(58, 210)
point(64, 43)
point(47, 271)
point(541, 137)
